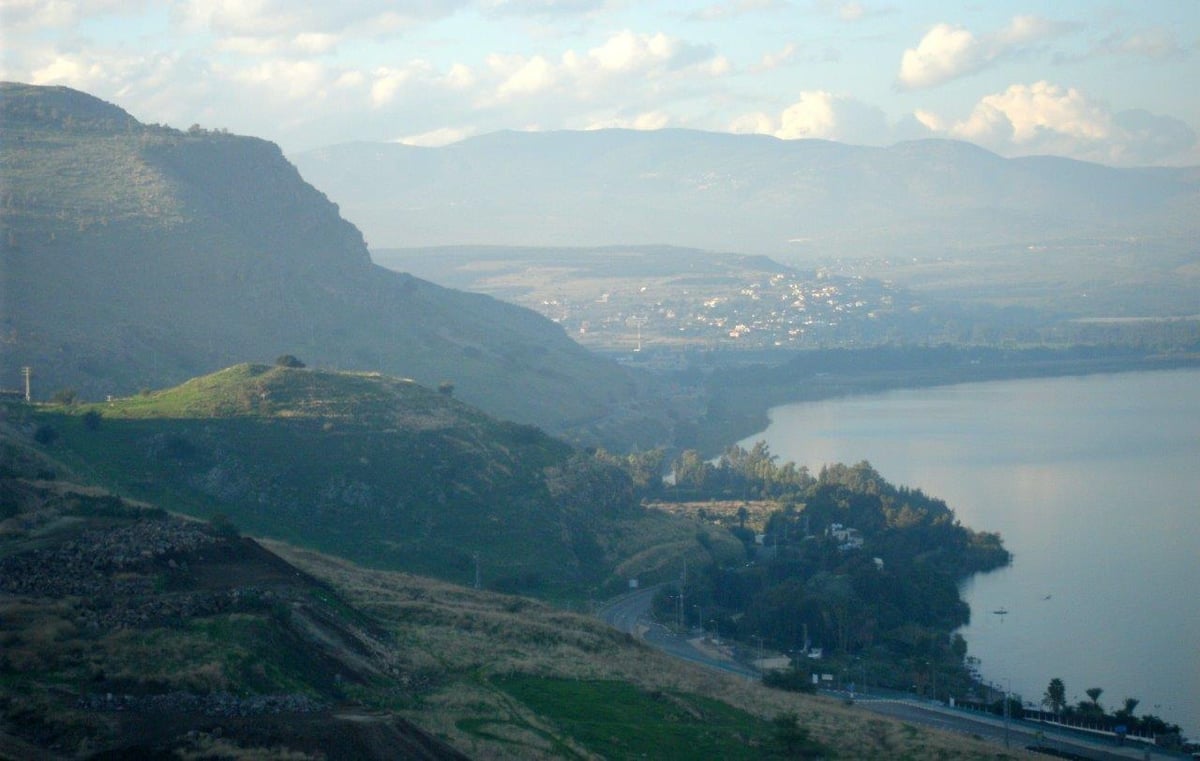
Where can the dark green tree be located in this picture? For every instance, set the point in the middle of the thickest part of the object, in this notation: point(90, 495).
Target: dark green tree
point(1126, 711)
point(288, 360)
point(91, 420)
point(65, 396)
point(791, 740)
point(1094, 693)
point(446, 388)
point(1056, 696)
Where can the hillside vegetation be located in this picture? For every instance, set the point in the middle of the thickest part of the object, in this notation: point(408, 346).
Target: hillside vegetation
point(131, 633)
point(381, 471)
point(136, 256)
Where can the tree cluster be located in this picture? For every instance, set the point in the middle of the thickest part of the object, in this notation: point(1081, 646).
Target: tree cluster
point(849, 562)
point(1093, 712)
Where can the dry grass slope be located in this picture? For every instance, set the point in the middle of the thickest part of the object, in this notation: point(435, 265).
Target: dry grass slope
point(465, 640)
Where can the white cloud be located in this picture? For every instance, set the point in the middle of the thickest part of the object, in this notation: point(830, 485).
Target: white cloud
point(460, 77)
point(533, 76)
point(627, 51)
point(778, 58)
point(282, 25)
point(437, 137)
point(650, 120)
point(948, 52)
point(1158, 44)
point(387, 82)
point(811, 116)
point(623, 68)
point(944, 53)
point(1024, 114)
point(293, 80)
point(820, 114)
point(542, 8)
point(733, 8)
point(24, 15)
point(756, 123)
point(851, 11)
point(1044, 118)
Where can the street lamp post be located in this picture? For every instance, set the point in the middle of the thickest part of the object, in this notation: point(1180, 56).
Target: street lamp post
point(1008, 688)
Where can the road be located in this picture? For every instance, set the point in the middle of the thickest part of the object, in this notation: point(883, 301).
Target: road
point(631, 613)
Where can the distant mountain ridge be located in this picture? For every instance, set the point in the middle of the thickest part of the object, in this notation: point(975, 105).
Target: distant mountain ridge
point(137, 255)
point(746, 193)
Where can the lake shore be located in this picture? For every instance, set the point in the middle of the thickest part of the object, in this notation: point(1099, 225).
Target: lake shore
point(1104, 459)
point(740, 398)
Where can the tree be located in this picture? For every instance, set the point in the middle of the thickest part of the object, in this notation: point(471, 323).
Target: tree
point(742, 515)
point(691, 470)
point(446, 388)
point(45, 435)
point(1056, 696)
point(288, 360)
point(1094, 693)
point(791, 739)
point(65, 396)
point(91, 420)
point(1126, 712)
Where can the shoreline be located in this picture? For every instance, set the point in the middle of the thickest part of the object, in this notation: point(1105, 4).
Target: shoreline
point(741, 399)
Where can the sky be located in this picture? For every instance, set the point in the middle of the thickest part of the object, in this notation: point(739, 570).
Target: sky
point(1117, 83)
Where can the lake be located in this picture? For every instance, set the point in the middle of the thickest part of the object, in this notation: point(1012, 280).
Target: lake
point(1094, 483)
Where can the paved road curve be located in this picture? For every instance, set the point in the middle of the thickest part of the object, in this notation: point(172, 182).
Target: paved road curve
point(631, 614)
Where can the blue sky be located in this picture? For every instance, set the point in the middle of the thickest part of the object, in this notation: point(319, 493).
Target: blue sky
point(1108, 82)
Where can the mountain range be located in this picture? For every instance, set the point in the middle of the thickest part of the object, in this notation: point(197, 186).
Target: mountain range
point(793, 199)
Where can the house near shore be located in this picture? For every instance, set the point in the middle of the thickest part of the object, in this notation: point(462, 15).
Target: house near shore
point(847, 538)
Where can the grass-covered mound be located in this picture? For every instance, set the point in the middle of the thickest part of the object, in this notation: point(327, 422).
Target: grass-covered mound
point(379, 470)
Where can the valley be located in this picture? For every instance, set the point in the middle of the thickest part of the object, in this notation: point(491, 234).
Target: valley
point(394, 538)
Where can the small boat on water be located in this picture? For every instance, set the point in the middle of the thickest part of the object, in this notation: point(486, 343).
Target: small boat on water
point(1000, 612)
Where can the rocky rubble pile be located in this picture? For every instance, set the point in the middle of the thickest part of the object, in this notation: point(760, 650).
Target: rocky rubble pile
point(101, 561)
point(210, 704)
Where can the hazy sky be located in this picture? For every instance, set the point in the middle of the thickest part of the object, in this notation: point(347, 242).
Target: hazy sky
point(1112, 82)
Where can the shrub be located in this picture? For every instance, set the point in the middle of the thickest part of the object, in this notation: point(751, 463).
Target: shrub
point(792, 680)
point(45, 435)
point(65, 396)
point(223, 525)
point(91, 420)
point(288, 360)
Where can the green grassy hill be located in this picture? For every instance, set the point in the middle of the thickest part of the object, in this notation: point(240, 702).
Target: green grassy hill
point(136, 256)
point(381, 471)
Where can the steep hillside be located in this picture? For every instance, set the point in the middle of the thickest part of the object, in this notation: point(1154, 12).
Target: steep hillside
point(135, 256)
point(379, 470)
point(128, 633)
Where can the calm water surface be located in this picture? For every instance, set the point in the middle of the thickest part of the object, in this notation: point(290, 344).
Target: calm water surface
point(1094, 484)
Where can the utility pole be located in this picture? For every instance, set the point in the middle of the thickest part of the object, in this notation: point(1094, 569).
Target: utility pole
point(27, 371)
point(1006, 714)
point(477, 570)
point(682, 585)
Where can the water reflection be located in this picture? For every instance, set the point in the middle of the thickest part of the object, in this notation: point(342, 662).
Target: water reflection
point(1092, 481)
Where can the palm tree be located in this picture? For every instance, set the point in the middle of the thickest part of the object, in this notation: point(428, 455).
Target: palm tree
point(1056, 696)
point(1094, 693)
